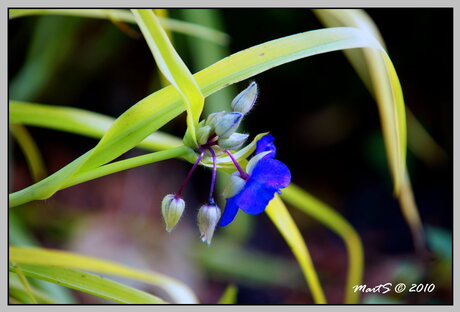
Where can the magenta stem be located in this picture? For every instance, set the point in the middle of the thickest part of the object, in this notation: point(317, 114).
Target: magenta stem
point(179, 192)
point(214, 172)
point(243, 174)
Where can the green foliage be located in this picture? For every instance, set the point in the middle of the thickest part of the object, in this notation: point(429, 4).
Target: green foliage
point(138, 127)
point(88, 283)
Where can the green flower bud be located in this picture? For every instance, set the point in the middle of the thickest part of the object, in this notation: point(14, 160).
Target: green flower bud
point(172, 208)
point(234, 141)
point(245, 100)
point(213, 118)
point(208, 217)
point(228, 124)
point(203, 134)
point(234, 185)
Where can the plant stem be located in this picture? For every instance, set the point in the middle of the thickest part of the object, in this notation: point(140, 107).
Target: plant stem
point(214, 172)
point(127, 164)
point(179, 192)
point(243, 174)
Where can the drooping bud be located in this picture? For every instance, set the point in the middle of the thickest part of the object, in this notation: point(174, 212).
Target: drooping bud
point(233, 142)
point(208, 217)
point(172, 208)
point(245, 100)
point(213, 118)
point(203, 134)
point(228, 124)
point(234, 185)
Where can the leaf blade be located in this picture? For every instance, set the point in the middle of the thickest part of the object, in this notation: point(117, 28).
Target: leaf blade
point(40, 256)
point(172, 67)
point(283, 221)
point(310, 205)
point(89, 283)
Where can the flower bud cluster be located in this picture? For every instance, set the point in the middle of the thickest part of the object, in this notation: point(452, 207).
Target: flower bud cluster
point(223, 125)
point(219, 129)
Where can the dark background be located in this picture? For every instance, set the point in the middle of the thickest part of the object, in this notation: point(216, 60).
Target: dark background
point(327, 131)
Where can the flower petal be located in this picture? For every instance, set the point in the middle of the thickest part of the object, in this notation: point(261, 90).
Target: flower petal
point(231, 209)
point(271, 172)
point(266, 144)
point(255, 197)
point(268, 176)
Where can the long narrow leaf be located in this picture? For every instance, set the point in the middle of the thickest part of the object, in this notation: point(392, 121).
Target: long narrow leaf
point(89, 283)
point(16, 290)
point(229, 295)
point(190, 29)
point(330, 218)
point(79, 121)
point(386, 88)
point(280, 216)
point(172, 67)
point(30, 150)
point(39, 256)
point(149, 114)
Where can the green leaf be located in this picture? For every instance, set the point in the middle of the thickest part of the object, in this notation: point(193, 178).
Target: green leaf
point(379, 75)
point(40, 256)
point(24, 282)
point(335, 222)
point(283, 221)
point(79, 121)
point(47, 52)
point(190, 29)
point(149, 114)
point(172, 67)
point(89, 283)
point(229, 295)
point(16, 290)
point(30, 150)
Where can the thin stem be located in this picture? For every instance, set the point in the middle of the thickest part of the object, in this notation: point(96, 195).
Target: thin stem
point(214, 172)
point(243, 174)
point(127, 164)
point(179, 192)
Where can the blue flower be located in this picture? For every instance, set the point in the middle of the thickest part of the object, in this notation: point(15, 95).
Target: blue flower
point(266, 178)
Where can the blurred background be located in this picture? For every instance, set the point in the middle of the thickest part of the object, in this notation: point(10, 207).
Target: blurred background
point(327, 131)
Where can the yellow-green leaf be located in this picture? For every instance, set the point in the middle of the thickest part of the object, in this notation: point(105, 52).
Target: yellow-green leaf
point(39, 256)
point(229, 295)
point(283, 221)
point(379, 75)
point(89, 283)
point(30, 150)
point(335, 222)
point(172, 66)
point(186, 28)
